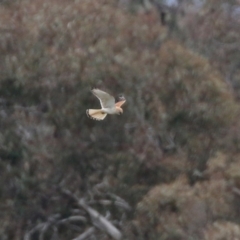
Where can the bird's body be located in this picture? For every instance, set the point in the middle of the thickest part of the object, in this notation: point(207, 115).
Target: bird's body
point(110, 110)
point(107, 103)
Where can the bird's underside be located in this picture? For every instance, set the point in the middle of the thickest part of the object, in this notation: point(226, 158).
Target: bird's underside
point(96, 114)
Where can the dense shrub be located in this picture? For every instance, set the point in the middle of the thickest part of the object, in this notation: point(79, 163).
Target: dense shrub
point(178, 107)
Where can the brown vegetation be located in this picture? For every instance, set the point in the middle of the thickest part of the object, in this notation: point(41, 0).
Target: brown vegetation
point(168, 168)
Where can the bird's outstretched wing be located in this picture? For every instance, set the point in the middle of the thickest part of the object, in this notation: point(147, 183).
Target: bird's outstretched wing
point(120, 103)
point(106, 100)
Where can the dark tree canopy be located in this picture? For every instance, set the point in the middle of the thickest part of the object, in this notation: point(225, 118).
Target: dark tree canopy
point(168, 168)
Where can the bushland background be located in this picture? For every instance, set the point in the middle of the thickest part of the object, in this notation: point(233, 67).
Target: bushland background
point(168, 168)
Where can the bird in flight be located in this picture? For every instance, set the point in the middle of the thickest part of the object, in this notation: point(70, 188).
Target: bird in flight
point(107, 103)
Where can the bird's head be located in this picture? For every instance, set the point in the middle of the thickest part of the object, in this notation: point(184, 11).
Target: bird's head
point(119, 110)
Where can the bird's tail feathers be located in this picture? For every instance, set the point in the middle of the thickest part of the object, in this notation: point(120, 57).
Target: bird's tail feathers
point(96, 114)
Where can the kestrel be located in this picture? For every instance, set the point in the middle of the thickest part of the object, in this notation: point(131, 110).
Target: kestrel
point(108, 105)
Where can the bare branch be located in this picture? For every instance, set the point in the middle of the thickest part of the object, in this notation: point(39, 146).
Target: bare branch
point(86, 234)
point(33, 230)
point(44, 229)
point(97, 219)
point(73, 219)
point(236, 191)
point(100, 221)
point(120, 202)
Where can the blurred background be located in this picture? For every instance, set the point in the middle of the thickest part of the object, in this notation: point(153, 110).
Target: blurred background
point(168, 168)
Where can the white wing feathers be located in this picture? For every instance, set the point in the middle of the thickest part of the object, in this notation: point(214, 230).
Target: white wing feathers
point(106, 100)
